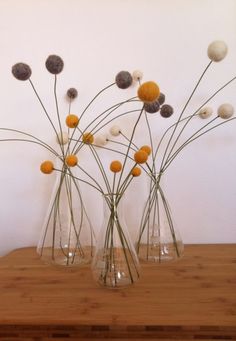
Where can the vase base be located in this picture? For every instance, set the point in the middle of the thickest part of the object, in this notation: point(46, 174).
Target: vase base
point(64, 257)
point(160, 253)
point(115, 268)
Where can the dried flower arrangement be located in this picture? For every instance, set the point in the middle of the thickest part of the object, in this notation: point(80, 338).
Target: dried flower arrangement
point(115, 261)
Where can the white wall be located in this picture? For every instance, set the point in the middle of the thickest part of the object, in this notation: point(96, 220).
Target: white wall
point(167, 40)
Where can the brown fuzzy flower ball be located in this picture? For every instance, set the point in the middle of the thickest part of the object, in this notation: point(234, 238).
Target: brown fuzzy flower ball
point(124, 79)
point(54, 64)
point(72, 93)
point(21, 71)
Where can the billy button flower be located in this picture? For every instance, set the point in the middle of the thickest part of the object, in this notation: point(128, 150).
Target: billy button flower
point(88, 138)
point(47, 167)
point(115, 166)
point(71, 160)
point(147, 149)
point(136, 171)
point(21, 71)
point(72, 121)
point(54, 64)
point(148, 92)
point(140, 156)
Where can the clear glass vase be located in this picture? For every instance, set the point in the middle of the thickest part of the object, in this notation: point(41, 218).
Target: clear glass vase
point(115, 263)
point(67, 236)
point(159, 239)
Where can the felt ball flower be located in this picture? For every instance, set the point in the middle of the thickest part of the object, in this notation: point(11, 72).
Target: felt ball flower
point(152, 107)
point(101, 140)
point(115, 166)
point(217, 50)
point(225, 111)
point(137, 75)
point(140, 156)
point(54, 64)
point(161, 98)
point(21, 71)
point(147, 149)
point(123, 79)
point(148, 92)
point(205, 112)
point(71, 160)
point(63, 138)
point(88, 138)
point(166, 110)
point(47, 167)
point(72, 121)
point(72, 93)
point(136, 171)
point(115, 130)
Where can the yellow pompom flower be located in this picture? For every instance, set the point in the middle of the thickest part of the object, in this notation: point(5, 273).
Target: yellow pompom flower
point(140, 156)
point(47, 167)
point(115, 166)
point(147, 149)
point(136, 171)
point(72, 121)
point(88, 138)
point(148, 92)
point(71, 160)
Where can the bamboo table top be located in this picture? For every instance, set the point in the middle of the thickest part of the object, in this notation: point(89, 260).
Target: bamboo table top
point(194, 297)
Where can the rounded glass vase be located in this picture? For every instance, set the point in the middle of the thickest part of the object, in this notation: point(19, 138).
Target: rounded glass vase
point(159, 239)
point(115, 263)
point(67, 236)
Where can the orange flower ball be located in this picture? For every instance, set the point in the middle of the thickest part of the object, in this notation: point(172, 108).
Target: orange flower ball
point(71, 160)
point(115, 166)
point(148, 92)
point(88, 138)
point(47, 167)
point(72, 121)
point(147, 149)
point(140, 156)
point(136, 171)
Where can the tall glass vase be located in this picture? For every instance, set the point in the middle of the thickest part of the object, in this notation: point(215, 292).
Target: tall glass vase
point(67, 236)
point(159, 239)
point(115, 263)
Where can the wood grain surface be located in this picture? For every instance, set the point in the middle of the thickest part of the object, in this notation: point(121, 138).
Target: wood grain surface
point(192, 298)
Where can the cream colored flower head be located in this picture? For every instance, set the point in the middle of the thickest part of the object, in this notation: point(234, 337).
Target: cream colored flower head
point(63, 138)
point(217, 50)
point(205, 112)
point(115, 130)
point(137, 75)
point(225, 111)
point(101, 140)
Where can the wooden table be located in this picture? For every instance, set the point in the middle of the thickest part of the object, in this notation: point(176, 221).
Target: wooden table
point(193, 298)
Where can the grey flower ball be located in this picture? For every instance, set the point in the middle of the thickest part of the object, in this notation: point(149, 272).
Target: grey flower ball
point(166, 110)
point(124, 79)
point(152, 107)
point(21, 71)
point(72, 93)
point(54, 64)
point(161, 98)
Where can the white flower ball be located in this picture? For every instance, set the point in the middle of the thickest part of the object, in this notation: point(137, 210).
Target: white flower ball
point(115, 130)
point(225, 111)
point(217, 50)
point(205, 112)
point(101, 140)
point(137, 75)
point(62, 138)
